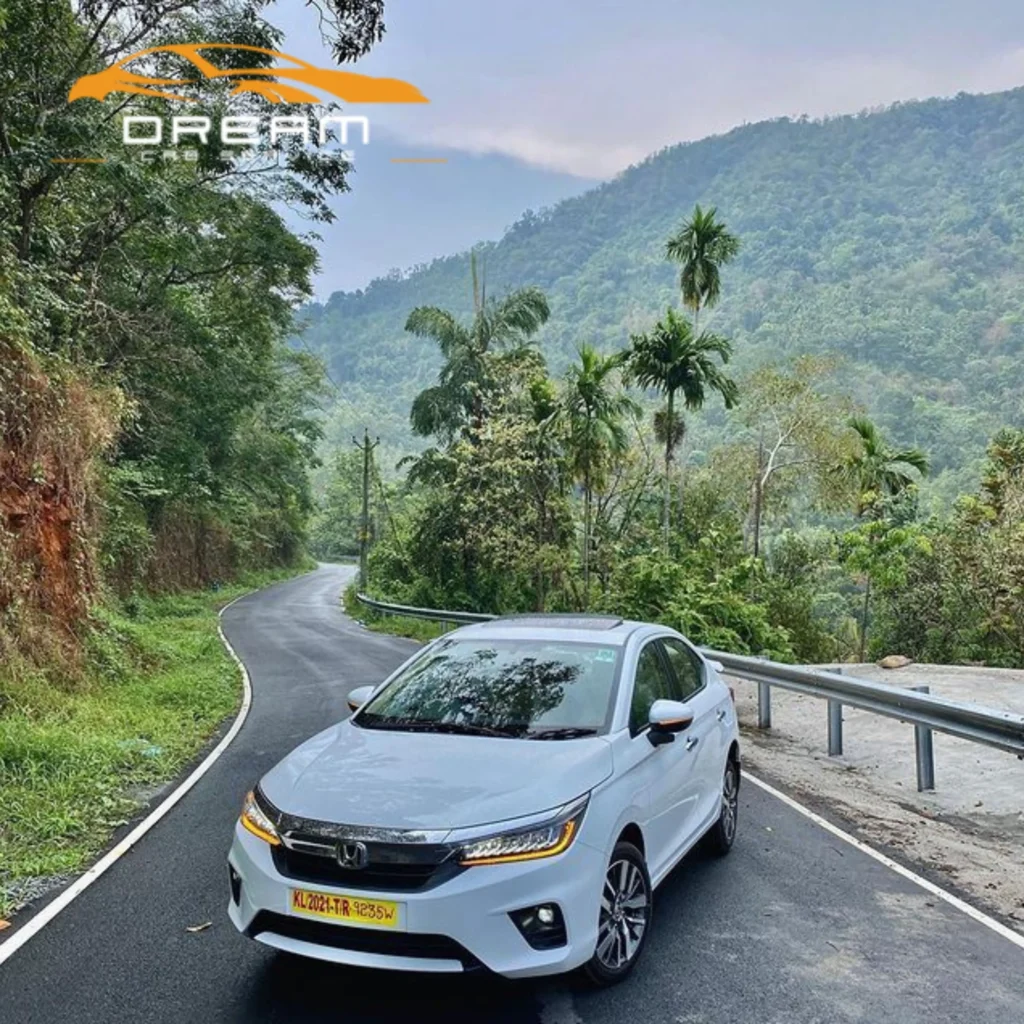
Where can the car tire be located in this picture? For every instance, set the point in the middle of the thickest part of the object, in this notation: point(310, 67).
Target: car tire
point(624, 917)
point(722, 834)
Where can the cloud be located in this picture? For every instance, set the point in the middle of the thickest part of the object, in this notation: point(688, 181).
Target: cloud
point(533, 146)
point(608, 110)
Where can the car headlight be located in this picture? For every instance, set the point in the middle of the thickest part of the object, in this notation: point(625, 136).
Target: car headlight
point(255, 819)
point(546, 839)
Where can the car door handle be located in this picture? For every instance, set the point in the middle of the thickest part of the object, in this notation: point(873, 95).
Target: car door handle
point(691, 742)
point(721, 714)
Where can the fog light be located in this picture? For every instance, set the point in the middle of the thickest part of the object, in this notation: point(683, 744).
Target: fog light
point(542, 926)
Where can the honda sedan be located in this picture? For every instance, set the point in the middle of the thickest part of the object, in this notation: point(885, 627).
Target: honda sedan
point(510, 798)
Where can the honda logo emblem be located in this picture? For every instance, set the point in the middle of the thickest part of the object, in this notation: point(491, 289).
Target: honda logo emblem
point(353, 855)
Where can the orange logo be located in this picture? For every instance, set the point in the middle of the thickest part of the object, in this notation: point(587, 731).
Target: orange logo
point(265, 82)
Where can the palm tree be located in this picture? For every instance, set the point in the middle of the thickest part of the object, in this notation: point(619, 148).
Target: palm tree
point(702, 245)
point(674, 361)
point(877, 470)
point(594, 407)
point(457, 400)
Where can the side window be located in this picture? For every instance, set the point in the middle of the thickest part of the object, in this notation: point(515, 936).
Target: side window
point(652, 683)
point(686, 666)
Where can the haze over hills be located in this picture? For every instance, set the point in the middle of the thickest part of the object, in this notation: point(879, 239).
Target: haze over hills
point(894, 239)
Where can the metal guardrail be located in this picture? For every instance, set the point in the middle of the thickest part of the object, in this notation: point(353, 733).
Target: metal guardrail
point(430, 614)
point(1003, 730)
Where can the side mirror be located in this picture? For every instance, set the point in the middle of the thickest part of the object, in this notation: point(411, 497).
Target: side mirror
point(716, 665)
point(666, 718)
point(359, 696)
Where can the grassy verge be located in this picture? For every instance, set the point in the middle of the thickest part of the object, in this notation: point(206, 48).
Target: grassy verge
point(79, 757)
point(394, 625)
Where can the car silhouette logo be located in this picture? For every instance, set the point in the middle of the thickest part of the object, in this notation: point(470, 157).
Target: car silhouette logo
point(353, 855)
point(265, 82)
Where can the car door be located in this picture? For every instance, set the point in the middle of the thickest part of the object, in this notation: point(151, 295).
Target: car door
point(666, 767)
point(704, 738)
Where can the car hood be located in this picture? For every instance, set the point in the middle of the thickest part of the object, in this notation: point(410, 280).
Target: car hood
point(374, 777)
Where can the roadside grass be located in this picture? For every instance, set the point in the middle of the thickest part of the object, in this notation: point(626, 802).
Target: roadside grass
point(394, 625)
point(80, 756)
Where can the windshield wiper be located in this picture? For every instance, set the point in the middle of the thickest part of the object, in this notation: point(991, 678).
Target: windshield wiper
point(451, 728)
point(569, 732)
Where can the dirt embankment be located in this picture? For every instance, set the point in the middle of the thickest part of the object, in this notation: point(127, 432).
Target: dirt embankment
point(54, 425)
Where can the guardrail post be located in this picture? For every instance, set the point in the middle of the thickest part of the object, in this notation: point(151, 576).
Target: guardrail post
point(764, 706)
point(835, 724)
point(925, 753)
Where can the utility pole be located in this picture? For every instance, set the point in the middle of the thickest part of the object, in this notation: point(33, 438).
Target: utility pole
point(758, 495)
point(366, 447)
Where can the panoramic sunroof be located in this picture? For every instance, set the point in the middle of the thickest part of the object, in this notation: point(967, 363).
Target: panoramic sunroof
point(556, 621)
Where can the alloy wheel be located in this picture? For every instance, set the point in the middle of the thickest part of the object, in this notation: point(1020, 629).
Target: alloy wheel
point(625, 909)
point(730, 799)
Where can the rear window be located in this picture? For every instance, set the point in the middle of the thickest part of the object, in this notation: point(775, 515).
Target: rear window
point(537, 690)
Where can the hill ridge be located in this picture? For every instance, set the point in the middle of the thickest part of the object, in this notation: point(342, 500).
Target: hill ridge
point(894, 238)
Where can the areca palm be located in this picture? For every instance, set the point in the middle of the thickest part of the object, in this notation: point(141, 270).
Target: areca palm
point(457, 400)
point(878, 470)
point(674, 361)
point(702, 245)
point(594, 406)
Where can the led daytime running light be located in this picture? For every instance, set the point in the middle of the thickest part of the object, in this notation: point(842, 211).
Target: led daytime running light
point(255, 821)
point(512, 847)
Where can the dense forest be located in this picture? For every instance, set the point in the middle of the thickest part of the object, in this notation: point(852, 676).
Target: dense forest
point(156, 430)
point(893, 240)
point(799, 536)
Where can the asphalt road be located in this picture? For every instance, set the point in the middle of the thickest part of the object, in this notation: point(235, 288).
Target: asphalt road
point(795, 927)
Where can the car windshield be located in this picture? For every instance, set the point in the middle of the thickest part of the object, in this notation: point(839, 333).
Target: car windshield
point(540, 689)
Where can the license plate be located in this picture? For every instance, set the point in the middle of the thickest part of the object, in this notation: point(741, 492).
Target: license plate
point(348, 909)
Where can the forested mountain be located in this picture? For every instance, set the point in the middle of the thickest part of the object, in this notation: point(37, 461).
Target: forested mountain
point(893, 238)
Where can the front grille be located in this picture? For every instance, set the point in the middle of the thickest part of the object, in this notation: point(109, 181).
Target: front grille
point(398, 860)
point(364, 940)
point(390, 867)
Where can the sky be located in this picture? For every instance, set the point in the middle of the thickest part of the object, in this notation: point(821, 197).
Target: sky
point(535, 100)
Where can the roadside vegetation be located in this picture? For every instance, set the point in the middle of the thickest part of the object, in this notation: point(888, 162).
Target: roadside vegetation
point(80, 756)
point(156, 427)
point(800, 536)
point(393, 625)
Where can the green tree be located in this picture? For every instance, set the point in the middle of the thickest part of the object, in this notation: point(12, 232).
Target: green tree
point(877, 471)
point(674, 361)
point(459, 398)
point(594, 405)
point(881, 476)
point(335, 528)
point(702, 246)
point(1003, 475)
point(171, 282)
point(490, 528)
point(880, 550)
point(795, 433)
point(960, 598)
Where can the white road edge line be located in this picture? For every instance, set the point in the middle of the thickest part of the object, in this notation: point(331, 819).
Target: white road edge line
point(36, 924)
point(954, 901)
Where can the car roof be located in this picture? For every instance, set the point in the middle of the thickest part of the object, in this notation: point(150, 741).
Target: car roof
point(579, 628)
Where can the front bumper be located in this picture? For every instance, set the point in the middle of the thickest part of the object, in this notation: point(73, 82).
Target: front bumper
point(470, 911)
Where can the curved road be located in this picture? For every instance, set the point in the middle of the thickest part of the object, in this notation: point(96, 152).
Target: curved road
point(795, 927)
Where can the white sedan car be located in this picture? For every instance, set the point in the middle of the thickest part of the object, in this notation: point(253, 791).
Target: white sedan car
point(509, 799)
